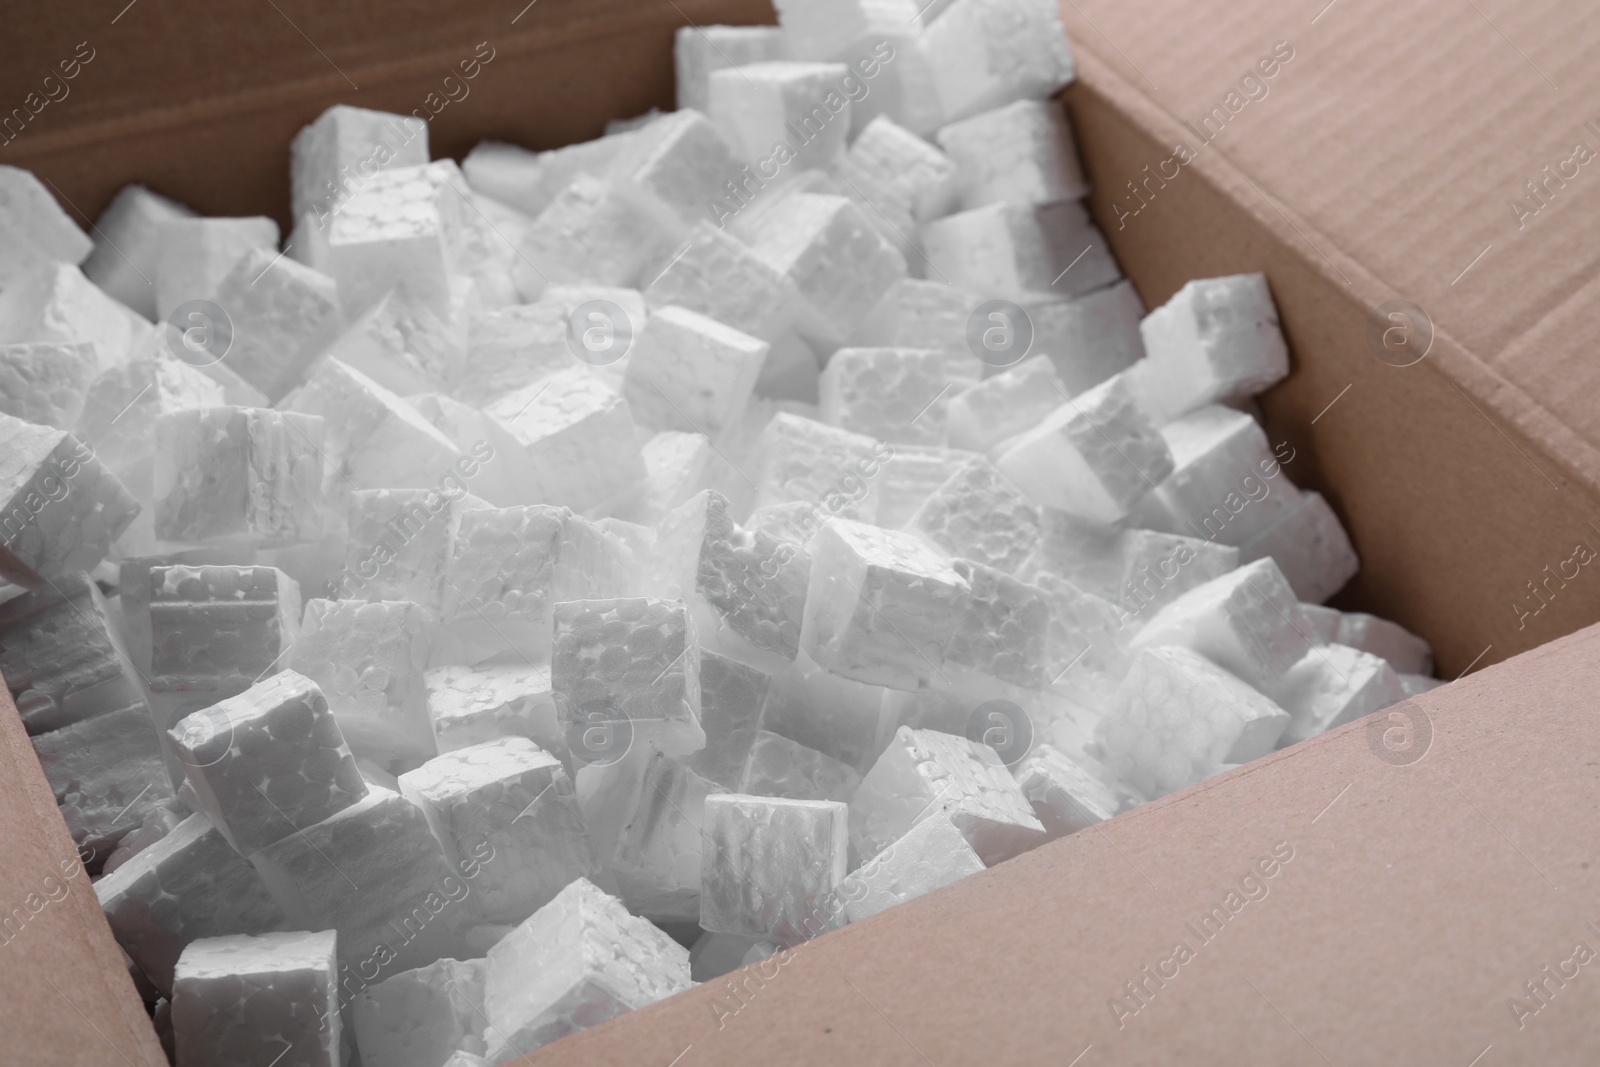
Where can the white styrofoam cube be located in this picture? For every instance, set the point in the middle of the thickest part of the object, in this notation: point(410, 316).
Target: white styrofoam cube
point(1017, 399)
point(195, 254)
point(344, 149)
point(55, 302)
point(61, 658)
point(218, 628)
point(676, 466)
point(284, 315)
point(516, 799)
point(986, 53)
point(921, 313)
point(1067, 796)
point(1001, 634)
point(492, 463)
point(691, 373)
point(402, 344)
point(719, 276)
point(897, 395)
point(976, 514)
point(47, 382)
point(1021, 153)
point(368, 658)
point(881, 605)
point(1084, 627)
point(108, 775)
point(1020, 252)
point(700, 50)
point(421, 1017)
point(779, 767)
point(188, 885)
point(29, 213)
point(576, 962)
point(770, 864)
point(925, 772)
point(1244, 621)
point(1310, 545)
point(837, 716)
point(732, 698)
point(653, 835)
point(1142, 570)
point(1092, 336)
point(909, 478)
point(254, 1000)
point(673, 166)
point(393, 229)
point(121, 405)
point(802, 105)
point(1331, 685)
point(907, 164)
point(1095, 456)
point(127, 246)
point(471, 705)
point(1179, 718)
point(801, 459)
point(1217, 338)
point(509, 347)
point(930, 855)
point(398, 544)
point(823, 29)
point(591, 232)
point(1406, 652)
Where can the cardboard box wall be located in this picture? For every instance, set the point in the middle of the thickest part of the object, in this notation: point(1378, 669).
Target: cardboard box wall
point(1381, 165)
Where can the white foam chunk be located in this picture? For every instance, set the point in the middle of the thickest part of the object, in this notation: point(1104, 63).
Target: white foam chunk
point(918, 313)
point(908, 479)
point(1092, 336)
point(398, 544)
point(591, 233)
point(698, 51)
point(804, 460)
point(422, 1017)
point(779, 767)
point(1224, 485)
point(509, 347)
point(61, 658)
point(268, 762)
point(1311, 547)
point(510, 805)
point(1245, 621)
point(841, 718)
point(1178, 718)
point(676, 464)
point(770, 863)
point(691, 373)
point(1084, 627)
point(1002, 632)
point(732, 698)
point(31, 216)
point(976, 514)
point(1021, 153)
point(652, 826)
point(344, 149)
point(492, 462)
point(881, 605)
point(408, 901)
point(924, 773)
point(1021, 252)
point(188, 885)
point(1095, 456)
point(197, 253)
point(823, 29)
point(580, 437)
point(1405, 651)
point(802, 105)
point(121, 405)
point(107, 773)
point(47, 382)
point(717, 275)
point(1215, 339)
point(897, 395)
point(472, 705)
point(243, 475)
point(1066, 795)
point(368, 658)
point(55, 302)
point(635, 659)
point(1331, 685)
point(253, 1000)
point(1017, 399)
point(576, 962)
point(217, 628)
point(1141, 570)
point(985, 53)
point(672, 167)
point(59, 508)
point(402, 344)
point(930, 855)
point(284, 314)
point(838, 262)
point(908, 166)
point(127, 246)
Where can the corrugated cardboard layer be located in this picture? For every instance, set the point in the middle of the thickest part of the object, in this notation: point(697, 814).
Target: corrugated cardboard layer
point(1420, 899)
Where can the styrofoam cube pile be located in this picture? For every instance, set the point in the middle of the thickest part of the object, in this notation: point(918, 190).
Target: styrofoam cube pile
point(708, 535)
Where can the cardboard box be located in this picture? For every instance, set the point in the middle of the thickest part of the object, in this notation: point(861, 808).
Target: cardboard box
point(1380, 162)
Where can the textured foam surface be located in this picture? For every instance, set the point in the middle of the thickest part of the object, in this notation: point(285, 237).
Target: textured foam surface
point(769, 864)
point(258, 1000)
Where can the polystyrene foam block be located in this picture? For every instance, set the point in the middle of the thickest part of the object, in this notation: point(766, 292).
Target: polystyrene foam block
point(1002, 631)
point(823, 29)
point(492, 462)
point(779, 767)
point(257, 1000)
point(841, 718)
point(59, 508)
point(246, 475)
point(1179, 718)
point(529, 181)
point(907, 164)
point(676, 466)
point(284, 314)
point(507, 348)
point(1216, 338)
point(673, 166)
point(374, 872)
point(344, 149)
point(30, 213)
point(881, 605)
point(635, 659)
point(909, 478)
point(1245, 621)
point(368, 659)
point(922, 313)
point(1084, 627)
point(188, 885)
point(402, 344)
point(1017, 399)
point(121, 406)
point(1021, 153)
point(593, 233)
point(127, 246)
point(1020, 252)
point(399, 543)
point(897, 395)
point(1094, 456)
point(55, 302)
point(1066, 795)
point(801, 105)
point(46, 382)
point(579, 435)
point(61, 658)
point(1224, 484)
point(471, 705)
point(769, 863)
point(1310, 545)
point(1331, 685)
point(654, 852)
point(691, 373)
point(1092, 336)
point(197, 253)
point(1405, 651)
point(886, 205)
point(804, 460)
point(576, 962)
point(219, 628)
point(512, 800)
point(107, 773)
point(268, 762)
point(1141, 570)
point(978, 515)
point(836, 259)
point(699, 50)
point(930, 855)
point(925, 772)
point(1321, 624)
point(732, 698)
point(395, 229)
point(421, 1017)
point(717, 275)
point(986, 53)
